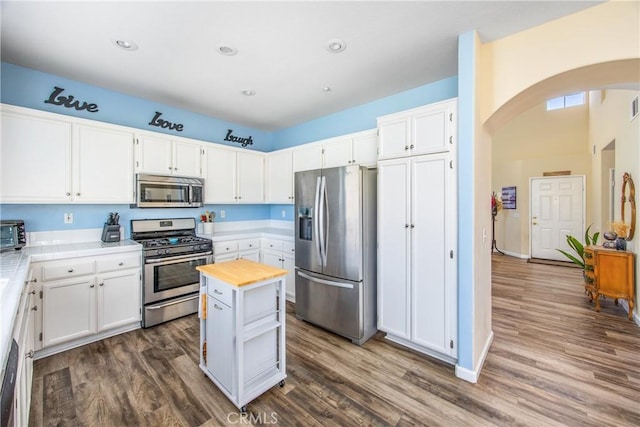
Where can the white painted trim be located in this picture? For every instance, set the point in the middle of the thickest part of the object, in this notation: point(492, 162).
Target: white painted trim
point(625, 304)
point(473, 375)
point(413, 346)
point(515, 254)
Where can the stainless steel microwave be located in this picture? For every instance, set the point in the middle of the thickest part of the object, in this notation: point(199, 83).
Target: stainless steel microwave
point(159, 191)
point(12, 234)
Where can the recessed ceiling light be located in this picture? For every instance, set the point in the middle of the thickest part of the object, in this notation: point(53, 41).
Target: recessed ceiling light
point(326, 89)
point(336, 45)
point(227, 50)
point(248, 92)
point(126, 45)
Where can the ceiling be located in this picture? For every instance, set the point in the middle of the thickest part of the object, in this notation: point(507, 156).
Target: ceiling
point(391, 46)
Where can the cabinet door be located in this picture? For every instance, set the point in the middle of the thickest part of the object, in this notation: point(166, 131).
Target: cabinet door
point(220, 342)
point(365, 149)
point(187, 159)
point(103, 165)
point(430, 261)
point(430, 129)
point(394, 138)
point(394, 294)
point(68, 310)
point(289, 264)
point(154, 155)
point(118, 299)
point(220, 178)
point(35, 165)
point(250, 255)
point(337, 153)
point(250, 177)
point(274, 259)
point(307, 157)
point(280, 177)
point(226, 257)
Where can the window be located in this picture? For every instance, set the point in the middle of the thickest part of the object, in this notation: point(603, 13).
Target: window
point(571, 100)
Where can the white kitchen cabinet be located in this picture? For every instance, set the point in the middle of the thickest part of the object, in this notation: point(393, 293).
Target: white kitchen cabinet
point(87, 298)
point(280, 177)
point(281, 254)
point(103, 169)
point(24, 335)
point(416, 253)
point(358, 148)
point(234, 176)
point(48, 158)
point(167, 156)
point(36, 157)
point(307, 157)
point(242, 329)
point(231, 250)
point(424, 130)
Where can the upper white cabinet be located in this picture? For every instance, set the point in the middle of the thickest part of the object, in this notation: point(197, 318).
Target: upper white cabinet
point(103, 165)
point(36, 158)
point(359, 148)
point(280, 177)
point(233, 176)
point(424, 130)
point(48, 158)
point(166, 156)
point(307, 157)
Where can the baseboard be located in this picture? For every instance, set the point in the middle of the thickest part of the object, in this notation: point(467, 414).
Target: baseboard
point(625, 304)
point(473, 375)
point(514, 254)
point(405, 343)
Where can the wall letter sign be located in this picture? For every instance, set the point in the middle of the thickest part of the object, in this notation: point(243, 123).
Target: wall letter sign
point(157, 121)
point(242, 141)
point(68, 101)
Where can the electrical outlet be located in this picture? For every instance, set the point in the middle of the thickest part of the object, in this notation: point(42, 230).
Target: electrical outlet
point(284, 213)
point(68, 218)
point(223, 214)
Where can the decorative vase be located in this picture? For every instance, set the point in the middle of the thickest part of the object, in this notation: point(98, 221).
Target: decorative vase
point(621, 244)
point(207, 227)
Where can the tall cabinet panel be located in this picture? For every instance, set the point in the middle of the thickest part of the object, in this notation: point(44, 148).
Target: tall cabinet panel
point(394, 296)
point(417, 283)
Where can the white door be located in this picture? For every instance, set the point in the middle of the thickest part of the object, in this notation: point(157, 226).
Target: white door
point(68, 310)
point(557, 209)
point(154, 155)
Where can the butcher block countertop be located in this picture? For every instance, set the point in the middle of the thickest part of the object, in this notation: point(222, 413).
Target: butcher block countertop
point(241, 272)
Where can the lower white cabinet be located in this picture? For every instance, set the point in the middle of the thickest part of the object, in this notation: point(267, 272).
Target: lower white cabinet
point(236, 249)
point(85, 298)
point(281, 254)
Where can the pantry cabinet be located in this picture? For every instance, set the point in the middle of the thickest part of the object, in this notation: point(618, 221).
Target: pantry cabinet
point(166, 156)
point(417, 283)
point(234, 176)
point(423, 130)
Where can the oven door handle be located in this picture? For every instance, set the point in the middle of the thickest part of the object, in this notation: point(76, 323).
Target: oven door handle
point(170, 260)
point(167, 304)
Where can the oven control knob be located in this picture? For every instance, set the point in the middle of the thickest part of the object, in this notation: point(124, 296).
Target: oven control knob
point(167, 251)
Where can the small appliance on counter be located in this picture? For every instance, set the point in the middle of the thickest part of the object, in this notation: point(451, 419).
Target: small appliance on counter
point(12, 234)
point(111, 229)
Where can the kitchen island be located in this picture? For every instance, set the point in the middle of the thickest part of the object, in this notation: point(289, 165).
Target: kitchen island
point(242, 328)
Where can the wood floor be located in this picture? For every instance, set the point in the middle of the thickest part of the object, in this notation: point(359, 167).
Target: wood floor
point(554, 361)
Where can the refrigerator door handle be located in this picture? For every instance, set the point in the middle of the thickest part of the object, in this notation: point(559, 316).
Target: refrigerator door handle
point(316, 222)
point(325, 282)
point(323, 224)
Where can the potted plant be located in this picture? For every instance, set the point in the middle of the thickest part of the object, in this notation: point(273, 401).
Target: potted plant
point(578, 247)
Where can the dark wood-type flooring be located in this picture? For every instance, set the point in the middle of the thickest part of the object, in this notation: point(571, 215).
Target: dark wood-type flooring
point(554, 361)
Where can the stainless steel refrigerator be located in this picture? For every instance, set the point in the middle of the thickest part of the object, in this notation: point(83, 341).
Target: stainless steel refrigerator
point(336, 250)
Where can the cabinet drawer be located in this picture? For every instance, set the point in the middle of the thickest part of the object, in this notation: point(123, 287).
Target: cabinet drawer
point(220, 291)
point(248, 244)
point(288, 247)
point(118, 262)
point(225, 247)
point(273, 244)
point(64, 270)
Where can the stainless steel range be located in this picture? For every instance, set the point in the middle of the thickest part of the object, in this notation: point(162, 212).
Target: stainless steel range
point(171, 252)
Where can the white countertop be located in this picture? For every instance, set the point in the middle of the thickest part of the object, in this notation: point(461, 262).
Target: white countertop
point(268, 232)
point(14, 266)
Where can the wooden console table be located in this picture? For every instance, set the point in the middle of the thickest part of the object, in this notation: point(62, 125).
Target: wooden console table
point(609, 272)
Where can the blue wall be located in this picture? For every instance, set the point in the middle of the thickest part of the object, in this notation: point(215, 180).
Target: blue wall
point(364, 116)
point(30, 88)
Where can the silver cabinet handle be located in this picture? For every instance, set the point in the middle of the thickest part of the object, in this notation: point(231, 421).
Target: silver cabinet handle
point(101, 284)
point(406, 147)
point(33, 292)
point(157, 307)
point(77, 194)
point(92, 285)
point(217, 307)
point(29, 355)
point(34, 308)
point(215, 291)
point(70, 270)
point(411, 146)
point(120, 264)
